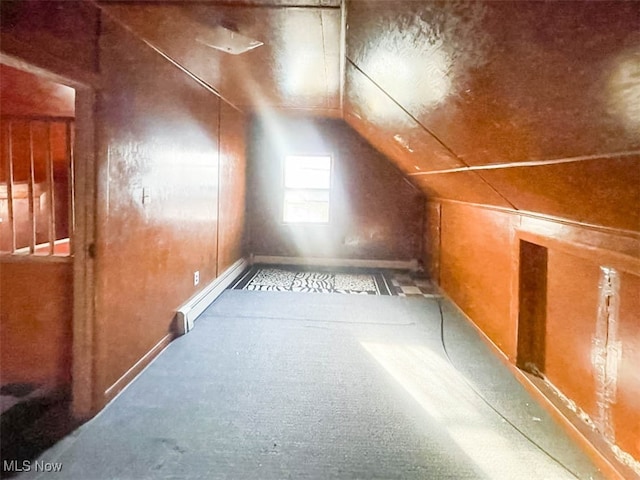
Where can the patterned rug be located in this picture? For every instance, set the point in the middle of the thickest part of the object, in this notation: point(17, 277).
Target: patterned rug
point(291, 279)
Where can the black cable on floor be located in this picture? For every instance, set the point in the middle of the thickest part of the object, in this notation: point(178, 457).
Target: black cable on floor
point(483, 398)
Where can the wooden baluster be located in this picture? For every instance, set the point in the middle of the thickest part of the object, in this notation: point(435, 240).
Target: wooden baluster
point(51, 192)
point(9, 172)
point(32, 215)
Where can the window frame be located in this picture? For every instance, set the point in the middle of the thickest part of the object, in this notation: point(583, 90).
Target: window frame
point(284, 188)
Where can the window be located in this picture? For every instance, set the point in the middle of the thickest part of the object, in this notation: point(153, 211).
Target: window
point(307, 183)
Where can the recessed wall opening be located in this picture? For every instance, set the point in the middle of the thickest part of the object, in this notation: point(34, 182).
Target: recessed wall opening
point(307, 189)
point(533, 305)
point(36, 167)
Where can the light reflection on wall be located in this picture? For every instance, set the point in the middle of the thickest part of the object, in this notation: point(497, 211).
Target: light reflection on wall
point(415, 80)
point(189, 185)
point(178, 184)
point(300, 64)
point(624, 90)
point(419, 52)
point(302, 80)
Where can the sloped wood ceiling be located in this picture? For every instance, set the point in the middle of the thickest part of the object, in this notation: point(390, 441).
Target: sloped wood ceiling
point(297, 69)
point(528, 105)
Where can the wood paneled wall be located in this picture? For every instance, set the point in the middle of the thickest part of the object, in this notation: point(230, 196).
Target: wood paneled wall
point(534, 286)
point(170, 178)
point(35, 322)
point(59, 36)
point(162, 206)
point(475, 268)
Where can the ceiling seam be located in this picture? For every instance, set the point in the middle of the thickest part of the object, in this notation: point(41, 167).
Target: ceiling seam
point(324, 56)
point(430, 133)
point(184, 70)
point(495, 190)
point(343, 52)
point(532, 163)
point(218, 4)
point(631, 235)
point(408, 113)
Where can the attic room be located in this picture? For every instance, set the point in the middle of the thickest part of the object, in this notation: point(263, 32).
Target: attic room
point(320, 239)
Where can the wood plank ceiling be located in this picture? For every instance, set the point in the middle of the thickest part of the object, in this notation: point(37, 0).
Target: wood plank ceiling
point(297, 69)
point(533, 106)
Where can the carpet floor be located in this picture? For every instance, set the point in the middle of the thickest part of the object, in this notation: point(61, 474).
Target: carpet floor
point(330, 387)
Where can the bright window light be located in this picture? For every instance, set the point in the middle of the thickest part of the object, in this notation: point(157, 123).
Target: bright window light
point(307, 184)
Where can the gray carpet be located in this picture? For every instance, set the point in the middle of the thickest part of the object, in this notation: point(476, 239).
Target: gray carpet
point(304, 386)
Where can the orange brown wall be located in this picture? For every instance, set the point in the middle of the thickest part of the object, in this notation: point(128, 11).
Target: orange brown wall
point(35, 322)
point(170, 189)
point(374, 212)
point(483, 260)
point(58, 35)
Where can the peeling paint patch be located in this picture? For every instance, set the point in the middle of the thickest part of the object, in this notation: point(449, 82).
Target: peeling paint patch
point(607, 349)
point(622, 456)
point(626, 459)
point(571, 405)
point(402, 142)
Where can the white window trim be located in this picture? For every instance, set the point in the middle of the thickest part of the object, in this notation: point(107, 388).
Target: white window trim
point(285, 189)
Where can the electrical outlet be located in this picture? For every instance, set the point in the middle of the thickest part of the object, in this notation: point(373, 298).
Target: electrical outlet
point(196, 277)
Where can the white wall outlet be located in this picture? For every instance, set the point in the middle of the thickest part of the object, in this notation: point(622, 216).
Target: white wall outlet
point(196, 277)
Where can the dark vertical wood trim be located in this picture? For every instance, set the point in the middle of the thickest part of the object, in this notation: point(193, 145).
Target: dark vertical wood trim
point(86, 399)
point(219, 188)
point(439, 257)
point(31, 189)
point(432, 233)
point(71, 219)
point(532, 308)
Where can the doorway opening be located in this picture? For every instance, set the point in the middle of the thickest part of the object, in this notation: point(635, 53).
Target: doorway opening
point(37, 224)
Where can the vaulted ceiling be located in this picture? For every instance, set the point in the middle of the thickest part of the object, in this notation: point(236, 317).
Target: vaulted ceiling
point(518, 104)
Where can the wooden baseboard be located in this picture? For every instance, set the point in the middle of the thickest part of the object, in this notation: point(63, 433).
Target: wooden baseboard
point(120, 385)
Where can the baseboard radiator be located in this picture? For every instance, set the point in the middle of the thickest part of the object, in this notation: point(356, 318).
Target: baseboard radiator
point(186, 315)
